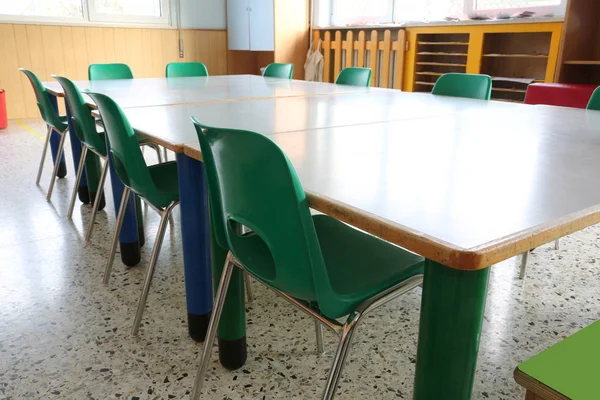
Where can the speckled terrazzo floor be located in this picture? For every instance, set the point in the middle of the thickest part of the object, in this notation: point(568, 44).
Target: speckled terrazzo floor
point(63, 335)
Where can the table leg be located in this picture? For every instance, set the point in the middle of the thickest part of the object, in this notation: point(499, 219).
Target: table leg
point(195, 227)
point(55, 142)
point(128, 239)
point(232, 327)
point(452, 310)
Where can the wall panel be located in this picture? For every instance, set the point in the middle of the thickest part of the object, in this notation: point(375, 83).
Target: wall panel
point(68, 51)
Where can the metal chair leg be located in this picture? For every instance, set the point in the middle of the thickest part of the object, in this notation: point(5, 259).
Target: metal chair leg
point(162, 227)
point(249, 290)
point(41, 167)
point(340, 356)
point(212, 326)
point(61, 145)
point(320, 339)
point(524, 265)
point(115, 240)
point(557, 244)
point(97, 200)
point(77, 180)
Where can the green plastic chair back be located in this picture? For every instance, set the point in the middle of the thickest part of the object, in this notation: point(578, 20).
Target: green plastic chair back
point(183, 69)
point(354, 77)
point(471, 86)
point(278, 70)
point(594, 103)
point(252, 182)
point(126, 154)
point(44, 104)
point(98, 72)
point(83, 121)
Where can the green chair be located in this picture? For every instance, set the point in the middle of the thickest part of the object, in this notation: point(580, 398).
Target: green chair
point(471, 86)
point(53, 121)
point(185, 69)
point(157, 185)
point(100, 72)
point(278, 70)
point(85, 130)
point(354, 76)
point(594, 103)
point(319, 264)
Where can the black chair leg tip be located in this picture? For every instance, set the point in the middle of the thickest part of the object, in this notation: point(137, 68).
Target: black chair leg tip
point(233, 353)
point(102, 200)
point(83, 194)
point(198, 326)
point(62, 170)
point(130, 253)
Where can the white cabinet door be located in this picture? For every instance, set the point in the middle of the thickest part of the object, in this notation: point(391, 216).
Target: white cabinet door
point(262, 24)
point(238, 24)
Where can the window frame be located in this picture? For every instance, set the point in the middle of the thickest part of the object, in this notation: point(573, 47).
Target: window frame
point(98, 19)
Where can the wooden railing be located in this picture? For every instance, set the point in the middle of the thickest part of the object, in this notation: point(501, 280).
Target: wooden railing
point(382, 51)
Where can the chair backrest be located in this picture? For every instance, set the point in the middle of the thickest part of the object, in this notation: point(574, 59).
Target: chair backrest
point(98, 72)
point(472, 86)
point(594, 103)
point(124, 147)
point(83, 121)
point(252, 182)
point(183, 69)
point(278, 70)
point(354, 76)
point(47, 110)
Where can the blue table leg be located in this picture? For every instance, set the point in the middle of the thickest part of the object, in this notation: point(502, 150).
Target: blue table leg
point(128, 239)
point(195, 225)
point(55, 142)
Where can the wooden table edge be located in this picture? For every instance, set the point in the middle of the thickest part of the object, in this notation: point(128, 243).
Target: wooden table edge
point(445, 253)
point(536, 387)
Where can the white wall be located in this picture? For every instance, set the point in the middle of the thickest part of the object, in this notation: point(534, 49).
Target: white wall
point(203, 14)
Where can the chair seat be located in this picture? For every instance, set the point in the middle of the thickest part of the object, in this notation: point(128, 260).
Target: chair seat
point(165, 178)
point(61, 123)
point(360, 265)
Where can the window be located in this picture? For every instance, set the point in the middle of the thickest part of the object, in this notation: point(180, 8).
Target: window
point(360, 11)
point(87, 11)
point(342, 12)
point(142, 11)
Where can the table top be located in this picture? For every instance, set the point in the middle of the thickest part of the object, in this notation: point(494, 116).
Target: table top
point(171, 126)
point(167, 91)
point(567, 370)
point(466, 190)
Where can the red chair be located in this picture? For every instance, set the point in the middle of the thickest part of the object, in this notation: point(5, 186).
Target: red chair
point(559, 94)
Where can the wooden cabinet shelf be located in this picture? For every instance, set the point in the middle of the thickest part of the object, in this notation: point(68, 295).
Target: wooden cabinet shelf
point(437, 53)
point(578, 62)
point(444, 43)
point(517, 55)
point(508, 90)
point(427, 73)
point(425, 83)
point(441, 64)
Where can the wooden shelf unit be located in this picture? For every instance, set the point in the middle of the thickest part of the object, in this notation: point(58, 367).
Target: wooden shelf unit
point(515, 55)
point(437, 54)
point(512, 50)
point(579, 57)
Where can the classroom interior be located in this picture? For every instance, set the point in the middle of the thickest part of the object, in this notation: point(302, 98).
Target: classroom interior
point(202, 199)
